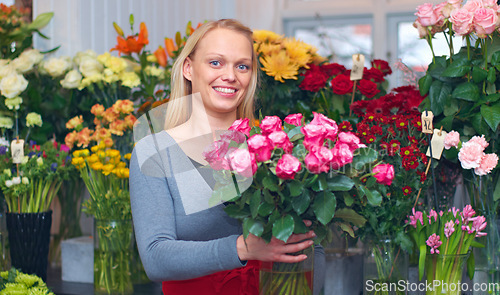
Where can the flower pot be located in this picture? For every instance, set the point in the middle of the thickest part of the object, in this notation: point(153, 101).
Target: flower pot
point(384, 265)
point(113, 251)
point(288, 278)
point(29, 237)
point(446, 271)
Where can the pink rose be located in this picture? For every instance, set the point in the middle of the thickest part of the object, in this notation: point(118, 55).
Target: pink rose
point(241, 125)
point(461, 20)
point(384, 173)
point(270, 124)
point(480, 140)
point(342, 155)
point(490, 4)
point(314, 135)
point(215, 155)
point(287, 167)
point(330, 125)
point(473, 5)
point(350, 139)
point(280, 139)
point(485, 22)
point(233, 135)
point(451, 140)
point(438, 12)
point(242, 162)
point(426, 15)
point(456, 3)
point(422, 31)
point(261, 146)
point(470, 155)
point(488, 162)
point(318, 159)
point(294, 119)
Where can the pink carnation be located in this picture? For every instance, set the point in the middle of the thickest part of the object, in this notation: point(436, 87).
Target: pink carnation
point(294, 119)
point(280, 140)
point(270, 124)
point(384, 173)
point(480, 140)
point(287, 167)
point(241, 125)
point(470, 155)
point(488, 163)
point(261, 146)
point(451, 140)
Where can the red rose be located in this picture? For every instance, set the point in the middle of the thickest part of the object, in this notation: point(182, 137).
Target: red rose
point(318, 159)
point(332, 69)
point(342, 155)
point(384, 173)
point(342, 84)
point(368, 88)
point(314, 79)
point(314, 135)
point(241, 125)
point(294, 119)
point(382, 65)
point(373, 74)
point(329, 124)
point(261, 146)
point(270, 124)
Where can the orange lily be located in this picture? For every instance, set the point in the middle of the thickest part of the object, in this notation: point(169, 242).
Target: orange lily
point(132, 43)
point(161, 56)
point(170, 47)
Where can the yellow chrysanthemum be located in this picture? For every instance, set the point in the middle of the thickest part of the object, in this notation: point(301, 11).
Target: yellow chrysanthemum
point(268, 49)
point(298, 53)
point(97, 166)
point(265, 36)
point(280, 66)
point(318, 59)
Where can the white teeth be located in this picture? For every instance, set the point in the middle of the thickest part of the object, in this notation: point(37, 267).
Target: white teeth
point(225, 90)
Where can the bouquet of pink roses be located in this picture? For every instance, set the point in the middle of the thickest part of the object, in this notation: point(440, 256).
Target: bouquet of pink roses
point(293, 172)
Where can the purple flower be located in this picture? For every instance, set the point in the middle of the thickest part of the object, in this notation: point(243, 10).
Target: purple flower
point(434, 242)
point(478, 224)
point(416, 216)
point(32, 143)
point(31, 154)
point(434, 214)
point(467, 213)
point(449, 228)
point(53, 167)
point(3, 150)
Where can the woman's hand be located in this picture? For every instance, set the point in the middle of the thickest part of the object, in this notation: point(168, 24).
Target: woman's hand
point(255, 248)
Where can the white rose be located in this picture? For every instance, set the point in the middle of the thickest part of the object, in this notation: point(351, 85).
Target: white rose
point(16, 180)
point(56, 66)
point(7, 70)
point(71, 80)
point(23, 64)
point(90, 67)
point(83, 54)
point(11, 86)
point(32, 54)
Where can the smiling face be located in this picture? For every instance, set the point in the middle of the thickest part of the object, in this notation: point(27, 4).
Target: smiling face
point(220, 70)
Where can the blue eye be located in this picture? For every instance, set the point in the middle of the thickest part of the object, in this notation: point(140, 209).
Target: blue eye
point(243, 67)
point(215, 63)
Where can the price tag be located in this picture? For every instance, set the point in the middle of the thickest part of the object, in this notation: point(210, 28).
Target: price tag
point(358, 65)
point(427, 117)
point(437, 144)
point(17, 151)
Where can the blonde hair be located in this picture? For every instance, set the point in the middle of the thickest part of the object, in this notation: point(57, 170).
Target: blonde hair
point(178, 109)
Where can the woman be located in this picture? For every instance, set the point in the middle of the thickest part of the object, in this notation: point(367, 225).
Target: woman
point(190, 246)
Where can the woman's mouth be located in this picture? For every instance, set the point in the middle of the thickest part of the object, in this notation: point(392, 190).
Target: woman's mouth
point(225, 90)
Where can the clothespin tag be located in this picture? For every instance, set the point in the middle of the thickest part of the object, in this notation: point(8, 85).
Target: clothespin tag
point(358, 65)
point(437, 144)
point(17, 150)
point(427, 117)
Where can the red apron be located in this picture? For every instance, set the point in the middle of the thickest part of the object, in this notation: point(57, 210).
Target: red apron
point(239, 281)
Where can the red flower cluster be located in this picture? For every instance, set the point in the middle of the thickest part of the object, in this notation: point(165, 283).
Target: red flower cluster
point(337, 77)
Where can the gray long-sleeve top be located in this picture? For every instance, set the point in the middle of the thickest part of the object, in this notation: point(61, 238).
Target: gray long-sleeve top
point(178, 235)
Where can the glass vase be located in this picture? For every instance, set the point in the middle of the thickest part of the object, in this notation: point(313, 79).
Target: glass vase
point(384, 265)
point(487, 259)
point(288, 278)
point(445, 271)
point(113, 251)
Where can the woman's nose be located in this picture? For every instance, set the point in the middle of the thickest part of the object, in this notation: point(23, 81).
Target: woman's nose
point(229, 74)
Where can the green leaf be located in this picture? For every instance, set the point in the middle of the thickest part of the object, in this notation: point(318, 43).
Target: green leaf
point(270, 184)
point(265, 209)
point(252, 226)
point(255, 201)
point(347, 228)
point(374, 197)
point(320, 184)
point(424, 84)
point(351, 216)
point(479, 124)
point(421, 261)
point(495, 58)
point(300, 226)
point(471, 265)
point(496, 193)
point(438, 94)
point(41, 21)
point(451, 108)
point(340, 183)
point(456, 70)
point(479, 74)
point(283, 227)
point(493, 97)
point(365, 156)
point(491, 75)
point(301, 203)
point(296, 187)
point(404, 241)
point(348, 200)
point(295, 133)
point(466, 91)
point(446, 122)
point(235, 211)
point(491, 115)
point(324, 206)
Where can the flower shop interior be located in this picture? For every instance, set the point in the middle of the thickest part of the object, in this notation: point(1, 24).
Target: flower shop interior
point(377, 121)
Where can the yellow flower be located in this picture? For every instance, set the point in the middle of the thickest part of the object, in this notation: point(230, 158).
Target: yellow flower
point(92, 159)
point(101, 154)
point(107, 169)
point(115, 160)
point(112, 153)
point(121, 172)
point(116, 64)
point(263, 36)
point(78, 162)
point(127, 156)
point(81, 153)
point(130, 79)
point(268, 49)
point(121, 165)
point(94, 149)
point(74, 122)
point(298, 52)
point(97, 166)
point(103, 58)
point(151, 58)
point(280, 67)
